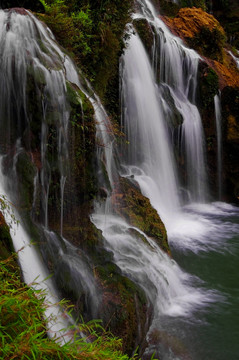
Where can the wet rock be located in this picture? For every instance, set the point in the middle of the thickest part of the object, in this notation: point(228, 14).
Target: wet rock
point(136, 208)
point(146, 34)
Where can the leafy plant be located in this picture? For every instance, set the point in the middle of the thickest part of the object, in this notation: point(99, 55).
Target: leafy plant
point(23, 333)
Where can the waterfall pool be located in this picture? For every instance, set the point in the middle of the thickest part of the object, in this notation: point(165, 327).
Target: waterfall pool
point(205, 244)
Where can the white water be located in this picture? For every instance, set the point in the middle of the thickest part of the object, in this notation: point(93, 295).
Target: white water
point(218, 116)
point(235, 58)
point(178, 69)
point(30, 56)
point(150, 163)
point(33, 268)
point(29, 49)
point(148, 149)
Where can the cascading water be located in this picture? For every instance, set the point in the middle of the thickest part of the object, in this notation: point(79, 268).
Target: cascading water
point(178, 76)
point(34, 112)
point(197, 227)
point(25, 64)
point(153, 167)
point(218, 116)
point(32, 64)
point(235, 58)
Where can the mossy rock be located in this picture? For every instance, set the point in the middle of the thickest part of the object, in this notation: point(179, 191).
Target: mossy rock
point(200, 30)
point(146, 33)
point(168, 8)
point(208, 85)
point(124, 309)
point(26, 172)
point(138, 211)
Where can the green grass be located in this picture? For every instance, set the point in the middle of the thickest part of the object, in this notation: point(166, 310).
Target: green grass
point(23, 332)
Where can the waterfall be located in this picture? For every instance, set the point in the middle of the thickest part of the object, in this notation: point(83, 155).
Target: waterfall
point(34, 121)
point(33, 268)
point(32, 65)
point(178, 79)
point(235, 58)
point(149, 158)
point(160, 154)
point(218, 118)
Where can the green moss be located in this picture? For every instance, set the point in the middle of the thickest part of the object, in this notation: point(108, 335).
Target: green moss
point(208, 86)
point(168, 8)
point(208, 43)
point(140, 213)
point(124, 306)
point(145, 32)
point(26, 172)
point(92, 32)
point(190, 3)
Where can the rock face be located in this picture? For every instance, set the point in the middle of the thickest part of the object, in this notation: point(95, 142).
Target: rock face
point(217, 70)
point(200, 30)
point(230, 109)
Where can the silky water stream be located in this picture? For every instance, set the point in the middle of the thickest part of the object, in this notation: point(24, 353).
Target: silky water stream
point(33, 102)
point(199, 318)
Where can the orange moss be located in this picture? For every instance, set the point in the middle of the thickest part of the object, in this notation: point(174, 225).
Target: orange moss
point(228, 74)
point(189, 25)
point(189, 22)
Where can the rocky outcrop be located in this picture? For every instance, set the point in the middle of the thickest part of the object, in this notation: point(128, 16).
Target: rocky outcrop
point(137, 210)
point(200, 30)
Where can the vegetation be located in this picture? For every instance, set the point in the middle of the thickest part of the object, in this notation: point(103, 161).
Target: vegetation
point(23, 332)
point(92, 32)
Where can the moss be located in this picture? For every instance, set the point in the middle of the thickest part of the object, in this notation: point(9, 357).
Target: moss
point(26, 172)
point(23, 332)
point(168, 8)
point(200, 30)
point(208, 42)
point(124, 306)
point(92, 32)
point(208, 86)
point(146, 33)
point(137, 209)
point(197, 3)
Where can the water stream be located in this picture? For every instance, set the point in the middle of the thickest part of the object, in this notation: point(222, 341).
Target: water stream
point(218, 115)
point(193, 296)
